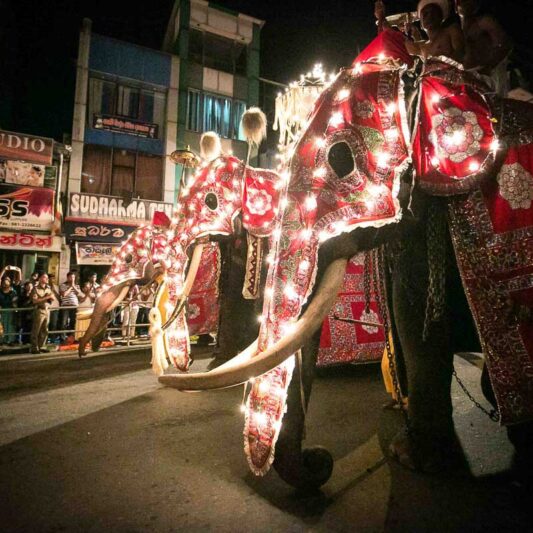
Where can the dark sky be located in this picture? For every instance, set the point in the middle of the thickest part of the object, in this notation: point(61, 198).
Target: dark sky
point(296, 35)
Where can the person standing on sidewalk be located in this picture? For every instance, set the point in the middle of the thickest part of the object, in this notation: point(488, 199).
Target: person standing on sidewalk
point(69, 293)
point(54, 309)
point(41, 297)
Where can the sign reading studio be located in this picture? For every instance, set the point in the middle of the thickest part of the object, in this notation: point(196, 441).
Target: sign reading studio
point(93, 207)
point(19, 146)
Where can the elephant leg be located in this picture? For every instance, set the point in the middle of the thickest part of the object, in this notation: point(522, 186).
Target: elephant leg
point(238, 325)
point(429, 365)
point(310, 468)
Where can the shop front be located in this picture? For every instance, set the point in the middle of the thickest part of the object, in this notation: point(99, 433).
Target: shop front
point(28, 183)
point(96, 225)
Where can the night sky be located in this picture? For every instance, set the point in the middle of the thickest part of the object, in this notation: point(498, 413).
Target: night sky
point(295, 36)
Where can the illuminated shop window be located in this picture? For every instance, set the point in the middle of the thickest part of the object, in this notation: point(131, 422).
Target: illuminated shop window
point(209, 112)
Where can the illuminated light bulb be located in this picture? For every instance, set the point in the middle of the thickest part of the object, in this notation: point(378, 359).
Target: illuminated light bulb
point(391, 108)
point(310, 203)
point(284, 203)
point(286, 176)
point(199, 195)
point(246, 217)
point(269, 292)
point(276, 233)
point(261, 419)
point(320, 142)
point(457, 137)
point(435, 162)
point(343, 94)
point(260, 319)
point(474, 166)
point(307, 233)
point(495, 145)
point(252, 380)
point(358, 69)
point(336, 119)
point(265, 224)
point(242, 408)
point(435, 99)
point(305, 264)
point(340, 225)
point(392, 134)
point(323, 236)
point(382, 158)
point(235, 182)
point(381, 56)
point(290, 292)
point(320, 172)
point(277, 425)
point(263, 387)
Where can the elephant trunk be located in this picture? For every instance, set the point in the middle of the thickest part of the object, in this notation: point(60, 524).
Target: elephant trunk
point(307, 469)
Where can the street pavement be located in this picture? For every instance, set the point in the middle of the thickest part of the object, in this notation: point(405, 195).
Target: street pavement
point(98, 445)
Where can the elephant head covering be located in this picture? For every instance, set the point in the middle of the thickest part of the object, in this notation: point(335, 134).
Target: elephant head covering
point(443, 4)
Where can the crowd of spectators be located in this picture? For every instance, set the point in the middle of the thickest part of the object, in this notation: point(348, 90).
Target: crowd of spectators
point(38, 311)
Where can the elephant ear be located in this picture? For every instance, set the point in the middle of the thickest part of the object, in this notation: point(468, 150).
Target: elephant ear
point(455, 145)
point(260, 202)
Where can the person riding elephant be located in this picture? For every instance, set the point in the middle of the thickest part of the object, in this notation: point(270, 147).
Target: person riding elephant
point(359, 178)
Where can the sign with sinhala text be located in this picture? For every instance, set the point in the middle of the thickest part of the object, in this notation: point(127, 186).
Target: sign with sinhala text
point(96, 231)
point(125, 125)
point(29, 241)
point(96, 208)
point(89, 253)
point(26, 147)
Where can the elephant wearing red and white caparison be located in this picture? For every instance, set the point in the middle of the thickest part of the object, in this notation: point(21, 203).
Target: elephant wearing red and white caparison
point(353, 187)
point(223, 190)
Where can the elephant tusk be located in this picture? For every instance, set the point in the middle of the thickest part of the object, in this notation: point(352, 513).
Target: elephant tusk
point(187, 286)
point(233, 374)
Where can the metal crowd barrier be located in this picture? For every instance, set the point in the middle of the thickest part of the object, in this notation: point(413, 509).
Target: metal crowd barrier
point(128, 328)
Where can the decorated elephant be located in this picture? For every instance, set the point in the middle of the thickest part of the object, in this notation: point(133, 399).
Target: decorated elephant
point(358, 181)
point(226, 201)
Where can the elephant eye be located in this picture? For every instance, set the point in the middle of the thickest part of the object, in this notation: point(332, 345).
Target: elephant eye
point(340, 159)
point(211, 200)
point(128, 259)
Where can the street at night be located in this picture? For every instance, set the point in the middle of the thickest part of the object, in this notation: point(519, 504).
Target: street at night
point(266, 266)
point(99, 445)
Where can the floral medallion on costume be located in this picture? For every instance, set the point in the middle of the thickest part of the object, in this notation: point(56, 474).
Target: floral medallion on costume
point(516, 186)
point(371, 316)
point(456, 134)
point(258, 202)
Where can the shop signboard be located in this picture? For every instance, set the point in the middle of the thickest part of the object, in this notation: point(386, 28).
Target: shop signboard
point(23, 173)
point(91, 253)
point(114, 209)
point(96, 231)
point(19, 146)
point(26, 208)
point(29, 242)
point(116, 124)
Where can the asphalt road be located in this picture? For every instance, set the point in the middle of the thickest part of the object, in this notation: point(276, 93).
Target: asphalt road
point(98, 445)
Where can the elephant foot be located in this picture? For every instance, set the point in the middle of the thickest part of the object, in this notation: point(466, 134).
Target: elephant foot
point(430, 454)
point(319, 462)
point(308, 472)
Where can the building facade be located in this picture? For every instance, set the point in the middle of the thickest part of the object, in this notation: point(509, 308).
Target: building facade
point(31, 171)
point(134, 106)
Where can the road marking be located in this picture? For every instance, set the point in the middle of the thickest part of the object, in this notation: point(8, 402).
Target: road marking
point(25, 415)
